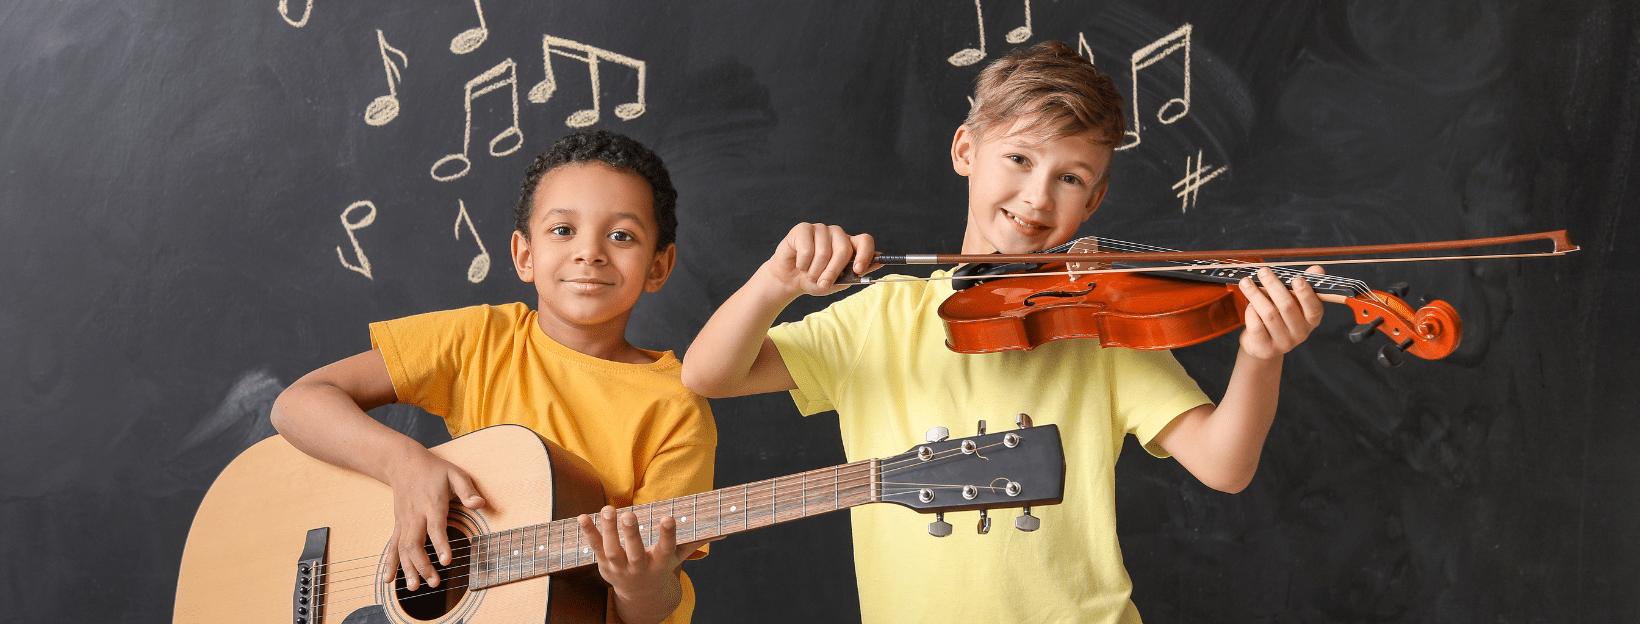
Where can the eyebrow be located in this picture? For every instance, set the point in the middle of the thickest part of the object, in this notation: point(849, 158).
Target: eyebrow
point(633, 216)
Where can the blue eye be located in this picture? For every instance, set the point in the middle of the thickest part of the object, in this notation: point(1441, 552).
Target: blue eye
point(562, 230)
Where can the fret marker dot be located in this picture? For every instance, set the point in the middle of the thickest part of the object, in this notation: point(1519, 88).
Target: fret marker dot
point(540, 547)
point(515, 553)
point(731, 508)
point(683, 519)
point(586, 549)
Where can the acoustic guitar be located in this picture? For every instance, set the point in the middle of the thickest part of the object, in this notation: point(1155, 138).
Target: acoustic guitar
point(283, 538)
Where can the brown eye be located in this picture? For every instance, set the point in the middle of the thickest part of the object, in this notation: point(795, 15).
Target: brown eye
point(562, 230)
point(621, 237)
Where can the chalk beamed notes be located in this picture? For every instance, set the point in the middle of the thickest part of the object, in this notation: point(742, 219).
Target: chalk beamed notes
point(590, 55)
point(504, 74)
point(383, 109)
point(1151, 55)
point(969, 56)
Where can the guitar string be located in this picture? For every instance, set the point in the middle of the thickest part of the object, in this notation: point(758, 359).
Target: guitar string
point(853, 468)
point(837, 494)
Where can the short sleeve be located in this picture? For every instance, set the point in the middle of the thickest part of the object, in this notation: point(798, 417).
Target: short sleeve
point(676, 472)
point(423, 355)
point(820, 349)
point(1150, 389)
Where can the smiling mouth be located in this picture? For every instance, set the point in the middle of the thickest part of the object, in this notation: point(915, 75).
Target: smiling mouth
point(587, 281)
point(1023, 222)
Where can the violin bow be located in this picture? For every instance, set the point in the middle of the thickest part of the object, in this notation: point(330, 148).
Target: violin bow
point(1223, 259)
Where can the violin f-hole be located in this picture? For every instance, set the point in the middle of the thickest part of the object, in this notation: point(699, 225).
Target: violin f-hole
point(1059, 293)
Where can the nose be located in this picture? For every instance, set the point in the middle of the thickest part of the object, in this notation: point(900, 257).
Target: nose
point(590, 250)
point(1036, 192)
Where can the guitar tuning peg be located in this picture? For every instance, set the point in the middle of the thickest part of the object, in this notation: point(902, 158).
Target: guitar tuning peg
point(938, 434)
point(939, 527)
point(1023, 421)
point(982, 427)
point(1027, 522)
point(984, 522)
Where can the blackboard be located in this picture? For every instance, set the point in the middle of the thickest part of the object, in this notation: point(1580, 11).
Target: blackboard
point(201, 201)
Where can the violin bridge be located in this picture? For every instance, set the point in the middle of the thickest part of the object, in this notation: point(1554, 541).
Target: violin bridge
point(1089, 245)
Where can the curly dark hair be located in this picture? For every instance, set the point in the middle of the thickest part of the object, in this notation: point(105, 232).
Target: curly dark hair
point(613, 149)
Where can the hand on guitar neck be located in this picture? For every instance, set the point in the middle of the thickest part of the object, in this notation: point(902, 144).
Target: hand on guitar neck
point(645, 580)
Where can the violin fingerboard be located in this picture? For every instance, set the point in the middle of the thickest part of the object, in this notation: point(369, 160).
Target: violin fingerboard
point(1228, 275)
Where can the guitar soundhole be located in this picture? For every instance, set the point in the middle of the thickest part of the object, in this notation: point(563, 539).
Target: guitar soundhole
point(431, 603)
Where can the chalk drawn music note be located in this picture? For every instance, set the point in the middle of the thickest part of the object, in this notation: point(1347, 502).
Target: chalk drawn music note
point(284, 11)
point(471, 38)
point(1150, 55)
point(363, 267)
point(480, 266)
point(510, 69)
point(969, 56)
point(543, 90)
point(1083, 49)
point(383, 109)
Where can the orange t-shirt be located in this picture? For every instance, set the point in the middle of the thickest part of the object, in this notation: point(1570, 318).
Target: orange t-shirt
point(649, 438)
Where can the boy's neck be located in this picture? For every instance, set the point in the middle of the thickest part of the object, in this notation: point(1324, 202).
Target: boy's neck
point(606, 341)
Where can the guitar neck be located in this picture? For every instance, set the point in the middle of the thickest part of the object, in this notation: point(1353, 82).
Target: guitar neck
point(540, 549)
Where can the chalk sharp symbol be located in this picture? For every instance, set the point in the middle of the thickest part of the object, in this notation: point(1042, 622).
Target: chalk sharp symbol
point(1195, 175)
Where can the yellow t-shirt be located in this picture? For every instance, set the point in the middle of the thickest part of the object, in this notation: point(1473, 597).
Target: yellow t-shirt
point(650, 438)
point(878, 357)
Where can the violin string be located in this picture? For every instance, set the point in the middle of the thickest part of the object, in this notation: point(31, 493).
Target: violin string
point(1357, 286)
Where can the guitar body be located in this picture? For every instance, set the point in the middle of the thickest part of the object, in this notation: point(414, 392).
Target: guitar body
point(258, 520)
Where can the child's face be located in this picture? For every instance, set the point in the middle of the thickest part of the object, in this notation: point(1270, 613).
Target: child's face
point(591, 249)
point(1027, 194)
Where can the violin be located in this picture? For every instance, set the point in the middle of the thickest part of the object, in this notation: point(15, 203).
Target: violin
point(1141, 297)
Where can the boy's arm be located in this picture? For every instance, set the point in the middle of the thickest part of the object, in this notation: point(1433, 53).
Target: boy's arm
point(733, 355)
point(323, 415)
point(1220, 445)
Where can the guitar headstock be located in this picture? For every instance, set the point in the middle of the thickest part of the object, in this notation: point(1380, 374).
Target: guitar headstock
point(1015, 468)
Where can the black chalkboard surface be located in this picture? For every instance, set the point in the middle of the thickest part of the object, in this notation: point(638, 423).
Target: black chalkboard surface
point(201, 201)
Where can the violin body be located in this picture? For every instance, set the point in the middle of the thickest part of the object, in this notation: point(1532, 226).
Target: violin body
point(1165, 311)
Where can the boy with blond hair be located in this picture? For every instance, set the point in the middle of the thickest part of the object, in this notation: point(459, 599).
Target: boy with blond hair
point(1036, 149)
point(595, 229)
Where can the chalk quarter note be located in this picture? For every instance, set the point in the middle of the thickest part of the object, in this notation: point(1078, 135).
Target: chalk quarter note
point(383, 109)
point(480, 266)
point(353, 225)
point(502, 75)
point(590, 55)
point(1173, 109)
point(284, 11)
point(471, 38)
point(969, 56)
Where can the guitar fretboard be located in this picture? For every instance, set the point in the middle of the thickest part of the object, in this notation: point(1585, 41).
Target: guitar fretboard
point(536, 550)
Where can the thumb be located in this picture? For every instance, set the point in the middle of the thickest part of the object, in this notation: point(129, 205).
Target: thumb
point(462, 486)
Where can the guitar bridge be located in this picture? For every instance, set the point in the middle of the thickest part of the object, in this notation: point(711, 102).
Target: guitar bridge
point(305, 601)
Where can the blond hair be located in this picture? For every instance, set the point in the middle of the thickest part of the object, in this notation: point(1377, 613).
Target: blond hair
point(1056, 92)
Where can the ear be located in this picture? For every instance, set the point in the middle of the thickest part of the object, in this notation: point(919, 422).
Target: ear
point(661, 268)
point(521, 257)
point(963, 148)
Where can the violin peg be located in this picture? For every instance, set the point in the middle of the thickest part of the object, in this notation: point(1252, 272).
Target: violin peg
point(1399, 289)
point(1365, 330)
point(1390, 355)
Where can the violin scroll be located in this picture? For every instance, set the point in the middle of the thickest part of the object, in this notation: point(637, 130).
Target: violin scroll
point(1431, 332)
